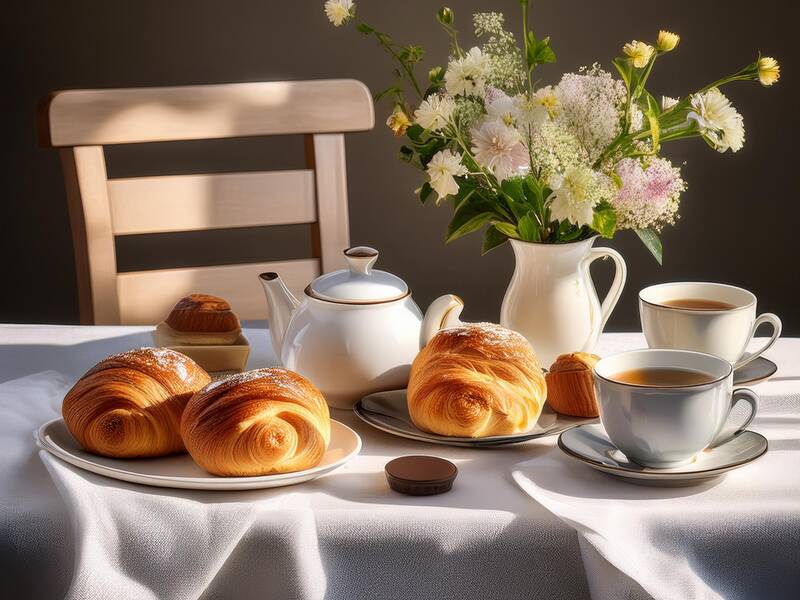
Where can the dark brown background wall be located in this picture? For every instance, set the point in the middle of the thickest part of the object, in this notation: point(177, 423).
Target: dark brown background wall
point(739, 219)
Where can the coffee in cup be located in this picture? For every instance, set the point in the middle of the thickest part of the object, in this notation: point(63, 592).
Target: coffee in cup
point(713, 318)
point(663, 407)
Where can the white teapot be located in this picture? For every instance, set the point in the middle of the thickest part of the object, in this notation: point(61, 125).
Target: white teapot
point(355, 332)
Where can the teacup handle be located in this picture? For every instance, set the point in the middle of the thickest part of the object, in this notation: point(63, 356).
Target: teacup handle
point(615, 291)
point(773, 320)
point(746, 395)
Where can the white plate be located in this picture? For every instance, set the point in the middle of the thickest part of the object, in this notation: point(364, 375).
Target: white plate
point(180, 471)
point(590, 445)
point(388, 411)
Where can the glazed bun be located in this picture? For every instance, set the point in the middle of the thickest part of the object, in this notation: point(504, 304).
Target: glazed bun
point(130, 405)
point(257, 423)
point(476, 380)
point(203, 320)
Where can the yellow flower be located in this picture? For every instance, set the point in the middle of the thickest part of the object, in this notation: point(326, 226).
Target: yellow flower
point(769, 71)
point(639, 53)
point(667, 40)
point(398, 121)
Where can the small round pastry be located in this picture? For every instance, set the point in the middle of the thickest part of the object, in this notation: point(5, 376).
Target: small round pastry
point(570, 385)
point(257, 423)
point(130, 404)
point(203, 319)
point(476, 380)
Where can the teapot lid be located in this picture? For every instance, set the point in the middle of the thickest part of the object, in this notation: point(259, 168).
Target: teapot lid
point(359, 283)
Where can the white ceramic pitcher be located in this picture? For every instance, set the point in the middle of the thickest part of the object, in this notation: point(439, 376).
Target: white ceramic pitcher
point(551, 299)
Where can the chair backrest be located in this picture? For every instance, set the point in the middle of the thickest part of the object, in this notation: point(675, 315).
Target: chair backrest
point(81, 122)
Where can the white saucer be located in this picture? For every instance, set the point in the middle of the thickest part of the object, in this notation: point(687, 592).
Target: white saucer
point(180, 471)
point(590, 445)
point(755, 372)
point(388, 411)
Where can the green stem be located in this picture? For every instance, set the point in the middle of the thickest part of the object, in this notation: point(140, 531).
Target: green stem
point(525, 44)
point(388, 47)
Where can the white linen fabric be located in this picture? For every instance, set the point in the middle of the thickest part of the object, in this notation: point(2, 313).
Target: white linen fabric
point(68, 533)
point(737, 536)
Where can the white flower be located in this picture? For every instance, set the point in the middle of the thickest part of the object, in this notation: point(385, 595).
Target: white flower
point(339, 11)
point(547, 98)
point(467, 75)
point(442, 170)
point(435, 112)
point(498, 148)
point(667, 102)
point(501, 106)
point(570, 200)
point(720, 123)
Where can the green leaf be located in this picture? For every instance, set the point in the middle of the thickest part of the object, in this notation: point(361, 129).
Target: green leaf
point(605, 222)
point(652, 117)
point(457, 230)
point(364, 28)
point(652, 242)
point(506, 229)
point(529, 228)
point(625, 69)
point(425, 192)
point(390, 90)
point(512, 187)
point(538, 52)
point(492, 239)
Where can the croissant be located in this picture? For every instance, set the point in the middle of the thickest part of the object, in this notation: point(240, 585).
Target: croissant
point(130, 404)
point(203, 320)
point(476, 380)
point(570, 382)
point(257, 423)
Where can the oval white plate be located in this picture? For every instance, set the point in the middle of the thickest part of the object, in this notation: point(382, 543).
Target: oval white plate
point(590, 445)
point(388, 411)
point(180, 471)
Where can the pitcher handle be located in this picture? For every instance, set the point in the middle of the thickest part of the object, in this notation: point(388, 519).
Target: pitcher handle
point(615, 291)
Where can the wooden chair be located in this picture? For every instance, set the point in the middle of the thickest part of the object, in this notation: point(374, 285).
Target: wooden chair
point(81, 122)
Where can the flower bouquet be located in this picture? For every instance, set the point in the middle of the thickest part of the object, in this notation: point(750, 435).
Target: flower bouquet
point(555, 163)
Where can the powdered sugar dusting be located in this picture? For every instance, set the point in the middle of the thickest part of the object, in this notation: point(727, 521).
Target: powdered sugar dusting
point(281, 378)
point(162, 358)
point(491, 339)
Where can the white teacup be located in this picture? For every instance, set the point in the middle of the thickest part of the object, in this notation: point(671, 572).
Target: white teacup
point(667, 426)
point(724, 333)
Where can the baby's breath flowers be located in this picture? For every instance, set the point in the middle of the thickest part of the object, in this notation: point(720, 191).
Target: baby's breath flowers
point(548, 163)
point(340, 11)
point(769, 71)
point(719, 122)
point(667, 41)
point(442, 169)
point(639, 53)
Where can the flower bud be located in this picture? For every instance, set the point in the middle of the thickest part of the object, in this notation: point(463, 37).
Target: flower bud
point(769, 71)
point(667, 41)
point(445, 16)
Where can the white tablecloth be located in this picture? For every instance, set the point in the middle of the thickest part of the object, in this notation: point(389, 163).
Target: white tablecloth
point(345, 535)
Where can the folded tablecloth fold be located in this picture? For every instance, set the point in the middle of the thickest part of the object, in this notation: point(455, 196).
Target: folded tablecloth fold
point(737, 536)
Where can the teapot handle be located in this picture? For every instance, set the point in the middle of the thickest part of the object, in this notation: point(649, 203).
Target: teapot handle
point(615, 291)
point(442, 313)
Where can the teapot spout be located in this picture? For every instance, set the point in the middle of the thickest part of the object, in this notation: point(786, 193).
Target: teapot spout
point(282, 304)
point(442, 313)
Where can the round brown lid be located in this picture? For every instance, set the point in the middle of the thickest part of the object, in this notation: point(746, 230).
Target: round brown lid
point(420, 475)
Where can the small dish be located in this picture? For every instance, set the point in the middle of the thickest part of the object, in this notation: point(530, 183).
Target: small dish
point(755, 372)
point(180, 471)
point(230, 357)
point(590, 445)
point(388, 411)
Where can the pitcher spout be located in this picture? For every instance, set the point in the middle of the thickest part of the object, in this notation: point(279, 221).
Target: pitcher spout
point(282, 304)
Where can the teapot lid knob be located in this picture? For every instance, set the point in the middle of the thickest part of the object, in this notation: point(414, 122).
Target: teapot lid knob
point(361, 258)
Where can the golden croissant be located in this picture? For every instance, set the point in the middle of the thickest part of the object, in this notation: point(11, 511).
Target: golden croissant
point(130, 404)
point(257, 423)
point(476, 380)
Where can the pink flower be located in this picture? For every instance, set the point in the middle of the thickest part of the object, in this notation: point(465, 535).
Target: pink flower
point(649, 196)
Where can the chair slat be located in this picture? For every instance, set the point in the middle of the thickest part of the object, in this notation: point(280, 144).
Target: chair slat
point(146, 297)
point(135, 115)
point(195, 202)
